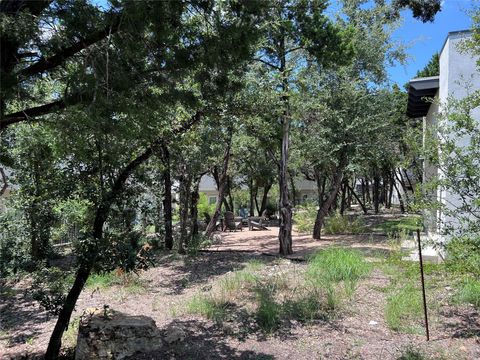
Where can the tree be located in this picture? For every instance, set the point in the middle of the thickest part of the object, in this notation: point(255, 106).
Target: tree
point(295, 31)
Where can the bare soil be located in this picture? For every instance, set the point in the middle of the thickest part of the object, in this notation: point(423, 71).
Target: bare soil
point(358, 332)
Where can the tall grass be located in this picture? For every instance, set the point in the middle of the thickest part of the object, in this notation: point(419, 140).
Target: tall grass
point(404, 308)
point(330, 268)
point(469, 292)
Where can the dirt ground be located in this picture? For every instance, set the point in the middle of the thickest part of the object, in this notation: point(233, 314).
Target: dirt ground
point(360, 332)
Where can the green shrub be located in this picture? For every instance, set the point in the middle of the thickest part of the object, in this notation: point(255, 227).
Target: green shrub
point(469, 292)
point(203, 207)
point(464, 255)
point(304, 218)
point(339, 224)
point(50, 287)
point(404, 308)
point(198, 243)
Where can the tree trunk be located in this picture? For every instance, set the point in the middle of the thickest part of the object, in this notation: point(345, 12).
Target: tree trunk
point(367, 192)
point(400, 200)
point(222, 187)
point(185, 182)
point(344, 198)
point(266, 189)
point(325, 206)
point(87, 261)
point(362, 205)
point(376, 194)
point(252, 198)
point(285, 230)
point(4, 180)
point(167, 198)
point(291, 177)
point(194, 197)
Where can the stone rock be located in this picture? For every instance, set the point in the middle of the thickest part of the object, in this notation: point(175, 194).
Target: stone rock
point(372, 322)
point(174, 334)
point(113, 335)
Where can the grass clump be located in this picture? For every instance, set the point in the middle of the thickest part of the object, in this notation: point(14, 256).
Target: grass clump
point(339, 224)
point(208, 306)
point(333, 267)
point(411, 353)
point(469, 292)
point(404, 308)
point(268, 312)
point(130, 282)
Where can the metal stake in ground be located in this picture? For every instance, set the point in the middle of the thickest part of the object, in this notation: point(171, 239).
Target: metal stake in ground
point(423, 285)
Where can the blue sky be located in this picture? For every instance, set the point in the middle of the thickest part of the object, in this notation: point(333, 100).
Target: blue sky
point(426, 39)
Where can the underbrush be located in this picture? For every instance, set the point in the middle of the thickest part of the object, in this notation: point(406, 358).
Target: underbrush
point(304, 218)
point(339, 224)
point(273, 296)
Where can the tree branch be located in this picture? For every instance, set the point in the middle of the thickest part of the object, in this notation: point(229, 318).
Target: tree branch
point(48, 63)
point(28, 114)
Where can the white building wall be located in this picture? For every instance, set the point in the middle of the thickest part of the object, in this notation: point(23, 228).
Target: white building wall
point(458, 77)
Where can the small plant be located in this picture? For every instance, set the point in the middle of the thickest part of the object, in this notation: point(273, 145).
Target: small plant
point(198, 243)
point(69, 338)
point(268, 311)
point(469, 292)
point(304, 218)
point(404, 308)
point(339, 224)
point(410, 353)
point(329, 267)
point(208, 306)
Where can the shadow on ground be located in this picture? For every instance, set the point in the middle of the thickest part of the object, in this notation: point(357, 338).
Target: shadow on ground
point(202, 341)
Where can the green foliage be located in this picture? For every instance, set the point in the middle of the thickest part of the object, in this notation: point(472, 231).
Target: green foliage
point(50, 287)
point(339, 224)
point(268, 311)
point(204, 207)
point(411, 353)
point(469, 292)
point(404, 225)
point(432, 68)
point(404, 308)
point(463, 254)
point(197, 243)
point(131, 282)
point(208, 306)
point(333, 266)
point(304, 218)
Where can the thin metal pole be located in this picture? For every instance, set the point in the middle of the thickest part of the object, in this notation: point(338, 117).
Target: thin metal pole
point(423, 285)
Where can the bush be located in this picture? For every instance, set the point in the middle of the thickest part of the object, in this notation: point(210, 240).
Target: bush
point(50, 287)
point(463, 255)
point(304, 218)
point(203, 207)
point(339, 224)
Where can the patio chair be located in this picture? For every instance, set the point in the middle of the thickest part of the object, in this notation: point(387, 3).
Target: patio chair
point(256, 222)
point(231, 223)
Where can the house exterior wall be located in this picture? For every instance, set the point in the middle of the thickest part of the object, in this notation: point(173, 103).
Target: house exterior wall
point(458, 77)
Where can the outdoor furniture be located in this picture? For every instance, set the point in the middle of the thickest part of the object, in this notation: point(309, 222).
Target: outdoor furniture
point(256, 222)
point(232, 223)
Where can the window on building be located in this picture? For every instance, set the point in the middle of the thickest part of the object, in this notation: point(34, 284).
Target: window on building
point(212, 200)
